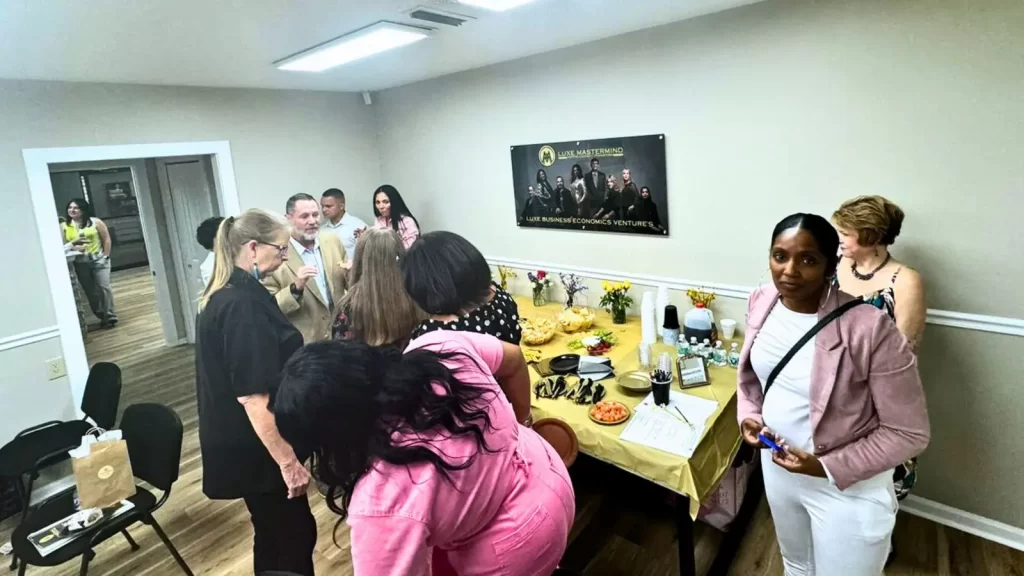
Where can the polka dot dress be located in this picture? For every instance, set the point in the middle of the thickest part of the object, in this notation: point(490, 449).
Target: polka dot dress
point(499, 318)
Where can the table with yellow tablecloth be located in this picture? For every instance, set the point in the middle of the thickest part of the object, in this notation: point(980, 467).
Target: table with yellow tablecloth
point(694, 477)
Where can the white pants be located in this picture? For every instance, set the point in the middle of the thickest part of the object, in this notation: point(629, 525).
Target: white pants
point(824, 531)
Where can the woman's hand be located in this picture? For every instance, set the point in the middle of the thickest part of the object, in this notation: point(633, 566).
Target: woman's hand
point(797, 461)
point(296, 478)
point(750, 428)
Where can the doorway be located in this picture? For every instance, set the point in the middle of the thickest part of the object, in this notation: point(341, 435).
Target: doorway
point(172, 185)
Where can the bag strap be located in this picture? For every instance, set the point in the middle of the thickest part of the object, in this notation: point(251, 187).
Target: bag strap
point(807, 337)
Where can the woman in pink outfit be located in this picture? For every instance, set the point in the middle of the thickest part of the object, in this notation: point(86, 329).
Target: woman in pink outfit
point(391, 212)
point(422, 451)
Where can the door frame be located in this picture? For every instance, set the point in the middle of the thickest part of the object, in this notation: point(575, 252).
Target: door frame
point(37, 167)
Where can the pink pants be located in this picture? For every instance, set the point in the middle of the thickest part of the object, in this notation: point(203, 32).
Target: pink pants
point(529, 533)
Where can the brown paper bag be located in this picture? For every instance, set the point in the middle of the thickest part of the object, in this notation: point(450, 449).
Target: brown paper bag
point(104, 477)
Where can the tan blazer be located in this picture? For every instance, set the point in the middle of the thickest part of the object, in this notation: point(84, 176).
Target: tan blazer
point(310, 313)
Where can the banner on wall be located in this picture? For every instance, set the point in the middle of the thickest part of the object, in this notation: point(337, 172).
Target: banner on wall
point(606, 185)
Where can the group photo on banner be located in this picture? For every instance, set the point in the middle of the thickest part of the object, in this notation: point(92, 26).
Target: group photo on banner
point(608, 185)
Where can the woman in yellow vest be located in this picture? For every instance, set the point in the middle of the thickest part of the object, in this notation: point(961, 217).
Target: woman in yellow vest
point(89, 235)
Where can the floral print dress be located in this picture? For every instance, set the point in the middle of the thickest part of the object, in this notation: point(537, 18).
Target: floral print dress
point(905, 476)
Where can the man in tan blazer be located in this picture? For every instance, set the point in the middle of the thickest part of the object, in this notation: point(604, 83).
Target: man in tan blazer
point(310, 285)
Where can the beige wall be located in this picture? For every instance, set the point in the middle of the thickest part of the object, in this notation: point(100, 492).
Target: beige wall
point(769, 109)
point(281, 143)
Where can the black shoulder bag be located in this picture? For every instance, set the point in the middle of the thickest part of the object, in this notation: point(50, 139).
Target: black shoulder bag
point(746, 453)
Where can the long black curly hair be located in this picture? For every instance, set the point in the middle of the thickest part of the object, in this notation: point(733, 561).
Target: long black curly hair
point(344, 400)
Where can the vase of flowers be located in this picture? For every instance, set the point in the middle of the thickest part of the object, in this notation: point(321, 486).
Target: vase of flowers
point(573, 285)
point(540, 282)
point(616, 299)
point(504, 273)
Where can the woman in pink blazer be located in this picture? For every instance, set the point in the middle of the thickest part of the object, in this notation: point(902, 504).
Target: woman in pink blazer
point(845, 410)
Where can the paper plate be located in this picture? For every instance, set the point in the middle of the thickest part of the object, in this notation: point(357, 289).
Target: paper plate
point(560, 436)
point(617, 422)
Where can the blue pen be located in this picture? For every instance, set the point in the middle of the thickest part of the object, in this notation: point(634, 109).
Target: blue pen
point(767, 442)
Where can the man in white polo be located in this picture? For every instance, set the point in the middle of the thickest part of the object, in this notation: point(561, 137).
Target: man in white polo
point(339, 221)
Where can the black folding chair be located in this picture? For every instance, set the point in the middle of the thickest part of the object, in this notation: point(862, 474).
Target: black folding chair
point(48, 443)
point(153, 433)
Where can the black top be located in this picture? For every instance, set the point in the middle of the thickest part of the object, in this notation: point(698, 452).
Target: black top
point(499, 318)
point(242, 342)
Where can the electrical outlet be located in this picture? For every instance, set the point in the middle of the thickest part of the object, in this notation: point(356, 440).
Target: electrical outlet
point(55, 368)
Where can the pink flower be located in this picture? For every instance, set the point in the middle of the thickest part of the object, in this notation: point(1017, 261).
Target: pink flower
point(541, 274)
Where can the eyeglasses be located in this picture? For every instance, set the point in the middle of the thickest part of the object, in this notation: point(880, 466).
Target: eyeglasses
point(282, 250)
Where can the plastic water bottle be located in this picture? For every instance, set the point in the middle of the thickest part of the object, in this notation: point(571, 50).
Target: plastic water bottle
point(734, 355)
point(718, 354)
point(682, 347)
point(708, 352)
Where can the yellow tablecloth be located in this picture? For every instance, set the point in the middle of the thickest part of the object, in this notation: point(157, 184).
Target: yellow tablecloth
point(694, 476)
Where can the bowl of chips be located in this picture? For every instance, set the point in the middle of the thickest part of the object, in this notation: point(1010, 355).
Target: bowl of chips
point(537, 331)
point(576, 319)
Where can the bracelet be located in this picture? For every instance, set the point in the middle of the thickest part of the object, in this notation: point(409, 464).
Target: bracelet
point(528, 422)
point(295, 291)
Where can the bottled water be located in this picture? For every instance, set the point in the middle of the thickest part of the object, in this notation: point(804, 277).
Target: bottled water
point(718, 355)
point(734, 355)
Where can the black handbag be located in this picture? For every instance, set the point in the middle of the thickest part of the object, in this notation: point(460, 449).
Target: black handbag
point(747, 453)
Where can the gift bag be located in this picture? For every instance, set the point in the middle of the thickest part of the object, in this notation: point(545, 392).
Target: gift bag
point(103, 471)
point(720, 508)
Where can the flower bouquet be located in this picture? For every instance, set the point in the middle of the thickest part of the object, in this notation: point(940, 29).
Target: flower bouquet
point(540, 282)
point(504, 273)
point(616, 299)
point(573, 285)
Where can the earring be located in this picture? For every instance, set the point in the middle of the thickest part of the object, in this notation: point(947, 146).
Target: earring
point(760, 287)
point(827, 296)
point(255, 270)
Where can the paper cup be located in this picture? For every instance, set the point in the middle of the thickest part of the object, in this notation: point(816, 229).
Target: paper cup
point(728, 328)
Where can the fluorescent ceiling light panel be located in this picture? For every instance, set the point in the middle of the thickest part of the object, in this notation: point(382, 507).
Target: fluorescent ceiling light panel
point(496, 5)
point(368, 41)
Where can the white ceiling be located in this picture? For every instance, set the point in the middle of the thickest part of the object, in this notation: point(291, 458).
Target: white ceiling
point(235, 42)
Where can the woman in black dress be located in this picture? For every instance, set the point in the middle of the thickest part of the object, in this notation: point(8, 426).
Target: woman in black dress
point(242, 343)
point(645, 210)
point(450, 279)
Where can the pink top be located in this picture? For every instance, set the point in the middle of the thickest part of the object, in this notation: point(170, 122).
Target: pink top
point(407, 228)
point(397, 513)
point(868, 411)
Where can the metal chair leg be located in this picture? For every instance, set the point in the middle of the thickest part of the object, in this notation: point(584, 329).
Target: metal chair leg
point(87, 557)
point(167, 542)
point(131, 542)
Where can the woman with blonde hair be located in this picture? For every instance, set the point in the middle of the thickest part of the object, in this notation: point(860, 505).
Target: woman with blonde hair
point(376, 309)
point(242, 343)
point(868, 226)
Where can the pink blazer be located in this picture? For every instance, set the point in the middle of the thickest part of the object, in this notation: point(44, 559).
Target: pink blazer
point(868, 411)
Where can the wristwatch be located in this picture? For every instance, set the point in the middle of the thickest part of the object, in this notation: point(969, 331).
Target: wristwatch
point(295, 291)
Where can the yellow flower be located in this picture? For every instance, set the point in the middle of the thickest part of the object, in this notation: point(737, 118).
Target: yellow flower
point(628, 285)
point(606, 285)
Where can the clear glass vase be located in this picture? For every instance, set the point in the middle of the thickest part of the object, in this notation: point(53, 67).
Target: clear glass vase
point(618, 314)
point(539, 298)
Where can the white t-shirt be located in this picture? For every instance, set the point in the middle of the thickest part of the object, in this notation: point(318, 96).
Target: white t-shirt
point(206, 268)
point(788, 410)
point(345, 229)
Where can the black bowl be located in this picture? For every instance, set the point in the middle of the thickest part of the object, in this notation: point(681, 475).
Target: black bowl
point(565, 364)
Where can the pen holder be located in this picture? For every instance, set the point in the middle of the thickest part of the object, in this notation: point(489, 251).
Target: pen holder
point(661, 389)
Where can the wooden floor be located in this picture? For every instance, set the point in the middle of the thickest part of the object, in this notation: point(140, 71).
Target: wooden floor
point(623, 527)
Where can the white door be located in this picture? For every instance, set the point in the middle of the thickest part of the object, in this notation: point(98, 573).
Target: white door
point(189, 198)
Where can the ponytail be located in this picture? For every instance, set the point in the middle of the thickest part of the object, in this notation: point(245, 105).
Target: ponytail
point(223, 261)
point(231, 235)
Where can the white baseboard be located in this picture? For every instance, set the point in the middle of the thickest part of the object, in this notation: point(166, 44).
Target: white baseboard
point(965, 521)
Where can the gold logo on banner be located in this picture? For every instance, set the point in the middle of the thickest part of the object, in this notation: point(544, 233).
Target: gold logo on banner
point(547, 156)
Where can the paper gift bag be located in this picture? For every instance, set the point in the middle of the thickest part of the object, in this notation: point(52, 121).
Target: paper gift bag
point(104, 477)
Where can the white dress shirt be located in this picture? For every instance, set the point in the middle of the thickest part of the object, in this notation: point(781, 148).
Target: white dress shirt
point(345, 229)
point(313, 257)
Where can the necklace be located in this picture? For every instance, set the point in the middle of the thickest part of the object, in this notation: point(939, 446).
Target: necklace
point(869, 275)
